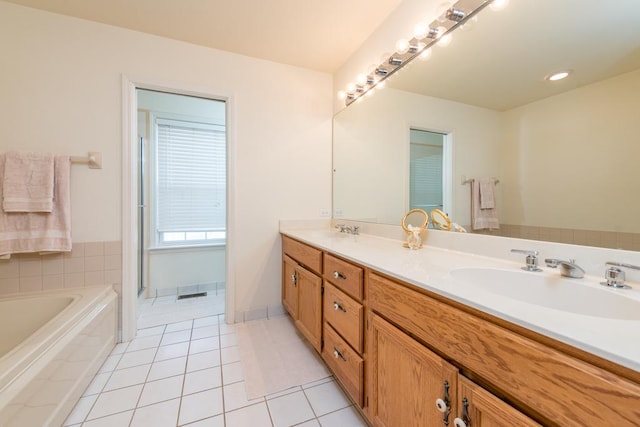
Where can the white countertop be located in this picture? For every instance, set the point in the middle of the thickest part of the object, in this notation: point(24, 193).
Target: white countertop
point(617, 340)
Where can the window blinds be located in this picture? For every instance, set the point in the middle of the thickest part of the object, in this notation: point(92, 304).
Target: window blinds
point(191, 176)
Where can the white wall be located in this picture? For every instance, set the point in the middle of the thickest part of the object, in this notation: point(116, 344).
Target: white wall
point(372, 157)
point(590, 133)
point(61, 91)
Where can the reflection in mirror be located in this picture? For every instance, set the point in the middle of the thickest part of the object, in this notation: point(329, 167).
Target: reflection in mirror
point(566, 152)
point(415, 223)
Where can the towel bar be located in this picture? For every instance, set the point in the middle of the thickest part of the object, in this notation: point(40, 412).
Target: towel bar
point(93, 159)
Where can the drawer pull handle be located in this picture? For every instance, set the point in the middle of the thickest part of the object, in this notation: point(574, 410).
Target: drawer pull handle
point(443, 404)
point(294, 279)
point(338, 275)
point(338, 354)
point(337, 306)
point(464, 420)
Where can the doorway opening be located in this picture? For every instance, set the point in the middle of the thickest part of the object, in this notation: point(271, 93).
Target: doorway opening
point(182, 207)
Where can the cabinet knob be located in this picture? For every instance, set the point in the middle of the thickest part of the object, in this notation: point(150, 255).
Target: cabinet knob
point(441, 405)
point(338, 354)
point(337, 306)
point(338, 275)
point(459, 423)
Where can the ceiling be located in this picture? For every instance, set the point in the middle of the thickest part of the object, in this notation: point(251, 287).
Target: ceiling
point(500, 61)
point(316, 34)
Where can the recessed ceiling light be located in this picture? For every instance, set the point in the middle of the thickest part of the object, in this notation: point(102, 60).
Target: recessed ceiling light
point(558, 76)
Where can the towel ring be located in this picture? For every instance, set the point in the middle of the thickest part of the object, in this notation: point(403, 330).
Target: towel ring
point(415, 217)
point(441, 220)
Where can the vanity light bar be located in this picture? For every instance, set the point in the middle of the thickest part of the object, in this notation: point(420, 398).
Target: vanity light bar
point(452, 18)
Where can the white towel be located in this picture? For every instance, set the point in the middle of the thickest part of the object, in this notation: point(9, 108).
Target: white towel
point(482, 218)
point(27, 182)
point(487, 197)
point(26, 232)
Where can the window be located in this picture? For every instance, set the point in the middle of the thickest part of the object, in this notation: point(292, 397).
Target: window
point(190, 169)
point(425, 169)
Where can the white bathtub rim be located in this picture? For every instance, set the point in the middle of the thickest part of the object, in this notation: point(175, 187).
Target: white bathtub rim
point(20, 358)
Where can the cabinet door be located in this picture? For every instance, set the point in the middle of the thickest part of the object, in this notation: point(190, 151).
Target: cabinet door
point(479, 408)
point(290, 286)
point(309, 320)
point(406, 379)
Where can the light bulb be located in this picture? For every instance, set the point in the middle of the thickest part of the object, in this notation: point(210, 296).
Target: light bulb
point(498, 4)
point(441, 10)
point(361, 79)
point(420, 31)
point(351, 88)
point(342, 95)
point(558, 76)
point(444, 40)
point(426, 54)
point(402, 46)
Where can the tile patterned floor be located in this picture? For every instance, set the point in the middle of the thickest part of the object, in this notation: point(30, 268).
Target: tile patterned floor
point(188, 373)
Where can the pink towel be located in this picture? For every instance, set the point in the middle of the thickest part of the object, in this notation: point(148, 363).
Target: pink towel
point(24, 232)
point(482, 218)
point(487, 198)
point(27, 182)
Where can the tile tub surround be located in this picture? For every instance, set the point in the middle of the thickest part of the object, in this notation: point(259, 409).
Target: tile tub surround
point(189, 373)
point(611, 339)
point(88, 264)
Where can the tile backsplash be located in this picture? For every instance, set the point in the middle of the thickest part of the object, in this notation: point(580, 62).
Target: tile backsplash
point(89, 263)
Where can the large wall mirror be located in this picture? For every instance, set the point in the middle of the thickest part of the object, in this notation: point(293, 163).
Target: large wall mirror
point(566, 153)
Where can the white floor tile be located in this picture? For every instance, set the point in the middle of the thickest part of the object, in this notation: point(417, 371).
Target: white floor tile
point(147, 332)
point(127, 377)
point(136, 358)
point(315, 383)
point(167, 368)
point(110, 363)
point(284, 392)
point(144, 343)
point(202, 380)
point(172, 351)
point(217, 421)
point(112, 402)
point(235, 397)
point(81, 410)
point(290, 409)
point(311, 423)
point(327, 397)
point(228, 340)
point(226, 328)
point(347, 417)
point(232, 373)
point(164, 414)
point(207, 359)
point(161, 390)
point(205, 321)
point(205, 332)
point(254, 416)
point(230, 354)
point(97, 384)
point(120, 348)
point(180, 326)
point(201, 405)
point(204, 344)
point(176, 337)
point(117, 420)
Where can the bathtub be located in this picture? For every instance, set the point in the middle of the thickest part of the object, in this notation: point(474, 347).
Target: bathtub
point(51, 346)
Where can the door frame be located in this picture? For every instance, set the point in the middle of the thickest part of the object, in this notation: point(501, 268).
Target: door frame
point(130, 195)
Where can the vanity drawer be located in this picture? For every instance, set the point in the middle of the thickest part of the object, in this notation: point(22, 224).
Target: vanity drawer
point(306, 255)
point(554, 385)
point(345, 363)
point(344, 275)
point(344, 314)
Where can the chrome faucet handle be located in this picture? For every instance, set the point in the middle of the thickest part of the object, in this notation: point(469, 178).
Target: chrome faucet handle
point(531, 260)
point(614, 276)
point(340, 227)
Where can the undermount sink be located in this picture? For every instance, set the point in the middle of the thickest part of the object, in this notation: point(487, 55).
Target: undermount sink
point(571, 295)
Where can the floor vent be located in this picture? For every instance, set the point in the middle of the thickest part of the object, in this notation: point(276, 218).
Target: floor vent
point(194, 295)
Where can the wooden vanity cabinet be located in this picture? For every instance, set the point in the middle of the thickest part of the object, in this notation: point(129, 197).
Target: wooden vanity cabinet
point(541, 381)
point(343, 329)
point(302, 288)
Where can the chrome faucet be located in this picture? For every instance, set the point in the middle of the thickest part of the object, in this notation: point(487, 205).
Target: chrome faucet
point(568, 268)
point(350, 229)
point(614, 276)
point(531, 260)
